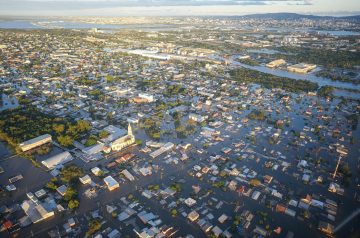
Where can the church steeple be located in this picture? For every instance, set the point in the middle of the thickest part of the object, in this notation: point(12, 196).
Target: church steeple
point(130, 132)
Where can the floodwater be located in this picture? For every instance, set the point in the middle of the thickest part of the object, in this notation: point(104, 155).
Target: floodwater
point(17, 165)
point(43, 24)
point(309, 77)
point(8, 102)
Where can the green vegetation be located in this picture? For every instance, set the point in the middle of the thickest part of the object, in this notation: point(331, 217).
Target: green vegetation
point(152, 127)
point(97, 94)
point(21, 124)
point(327, 58)
point(326, 91)
point(92, 140)
point(85, 81)
point(94, 226)
point(219, 184)
point(70, 174)
point(70, 194)
point(272, 81)
point(121, 102)
point(176, 187)
point(138, 142)
point(257, 115)
point(174, 90)
point(103, 134)
point(255, 182)
point(249, 62)
point(173, 212)
point(337, 76)
point(73, 204)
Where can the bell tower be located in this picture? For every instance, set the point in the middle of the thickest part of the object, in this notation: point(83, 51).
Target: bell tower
point(130, 132)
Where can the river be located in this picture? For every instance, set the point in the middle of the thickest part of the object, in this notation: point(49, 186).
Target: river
point(309, 77)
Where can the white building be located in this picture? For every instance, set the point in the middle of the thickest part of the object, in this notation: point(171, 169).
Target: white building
point(35, 142)
point(197, 118)
point(301, 68)
point(165, 148)
point(36, 212)
point(276, 63)
point(57, 160)
point(148, 97)
point(111, 183)
point(124, 141)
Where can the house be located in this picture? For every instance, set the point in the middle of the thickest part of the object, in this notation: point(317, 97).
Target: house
point(96, 171)
point(326, 227)
point(197, 118)
point(306, 178)
point(268, 179)
point(193, 216)
point(190, 202)
point(85, 179)
point(222, 218)
point(217, 231)
point(255, 195)
point(128, 175)
point(232, 185)
point(111, 183)
point(146, 217)
point(36, 212)
point(165, 148)
point(114, 234)
point(62, 190)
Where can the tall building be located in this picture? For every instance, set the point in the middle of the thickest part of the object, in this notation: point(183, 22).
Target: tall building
point(124, 141)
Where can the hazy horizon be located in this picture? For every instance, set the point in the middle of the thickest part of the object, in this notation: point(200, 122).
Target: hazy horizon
point(124, 8)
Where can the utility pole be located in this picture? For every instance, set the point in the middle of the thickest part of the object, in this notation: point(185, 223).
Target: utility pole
point(337, 166)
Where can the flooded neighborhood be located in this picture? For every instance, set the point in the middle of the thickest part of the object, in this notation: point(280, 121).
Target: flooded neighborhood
point(179, 127)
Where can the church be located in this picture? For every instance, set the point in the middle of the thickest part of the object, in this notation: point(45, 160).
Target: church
point(124, 141)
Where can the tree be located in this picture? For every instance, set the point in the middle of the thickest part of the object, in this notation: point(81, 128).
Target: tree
point(173, 212)
point(103, 134)
point(51, 185)
point(73, 204)
point(138, 142)
point(83, 125)
point(71, 174)
point(92, 140)
point(58, 128)
point(94, 226)
point(326, 91)
point(65, 141)
point(70, 194)
point(255, 182)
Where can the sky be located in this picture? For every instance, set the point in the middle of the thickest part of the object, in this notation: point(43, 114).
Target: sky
point(174, 7)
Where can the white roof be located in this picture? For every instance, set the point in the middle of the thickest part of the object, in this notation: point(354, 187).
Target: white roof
point(36, 139)
point(94, 149)
point(58, 159)
point(115, 133)
point(110, 181)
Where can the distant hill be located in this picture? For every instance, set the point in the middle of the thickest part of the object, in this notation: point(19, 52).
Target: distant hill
point(295, 16)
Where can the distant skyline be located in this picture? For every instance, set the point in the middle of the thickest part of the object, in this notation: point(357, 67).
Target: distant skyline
point(174, 7)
